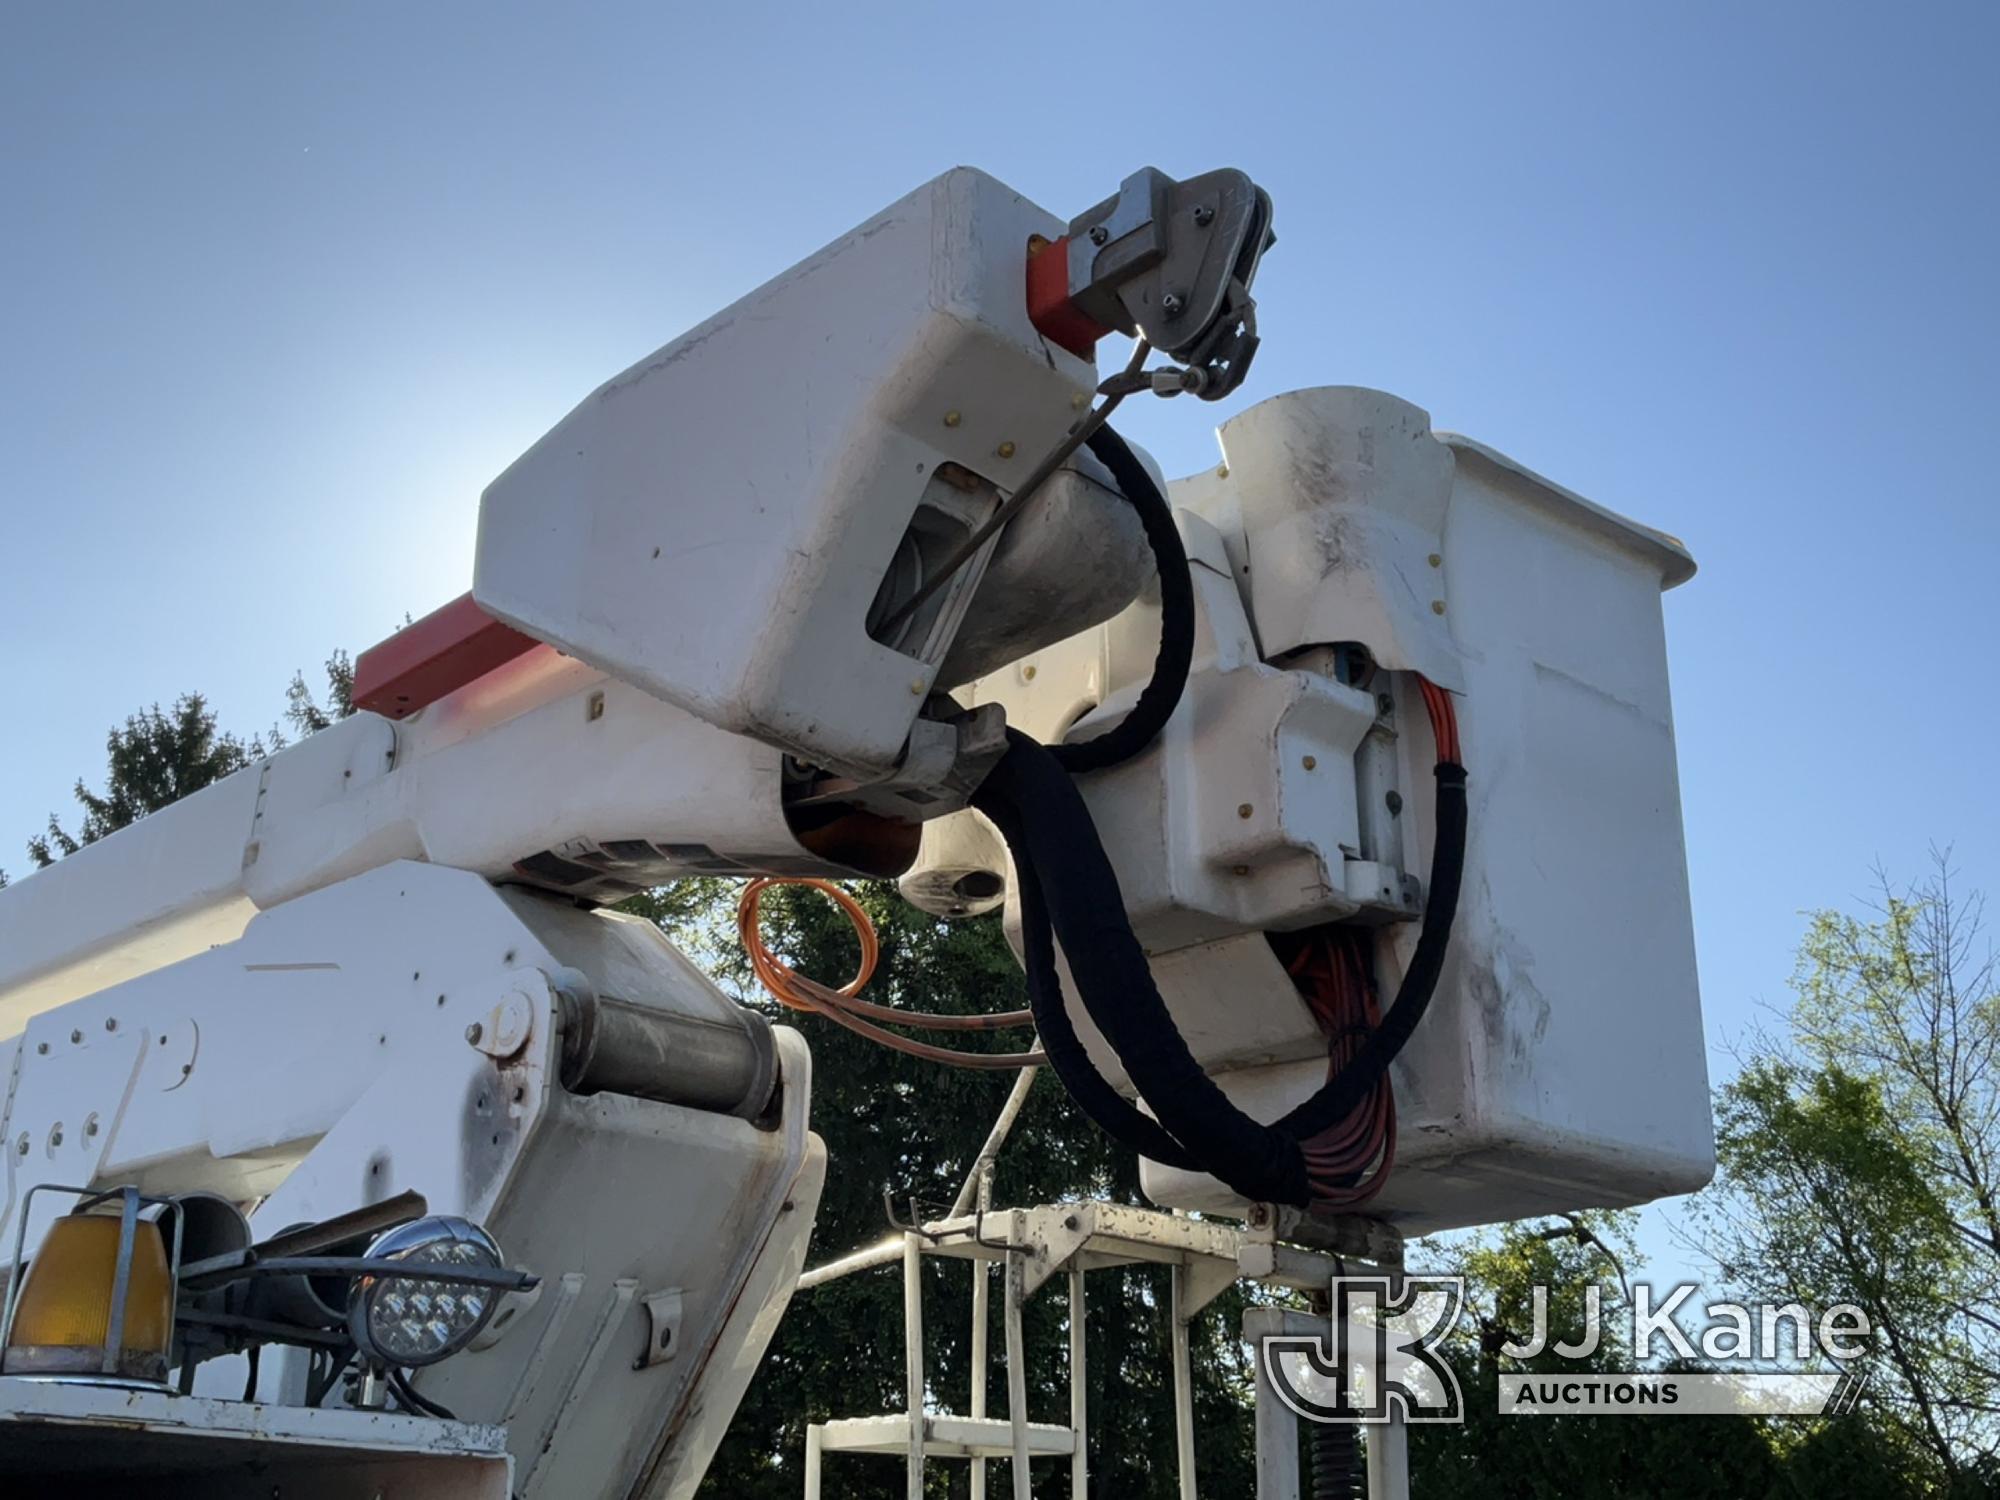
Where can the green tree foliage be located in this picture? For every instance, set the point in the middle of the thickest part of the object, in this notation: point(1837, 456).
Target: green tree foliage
point(154, 758)
point(1499, 1457)
point(1861, 1163)
point(911, 1129)
point(306, 713)
point(159, 756)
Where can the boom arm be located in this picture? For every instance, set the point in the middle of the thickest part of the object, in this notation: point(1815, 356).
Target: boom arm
point(778, 600)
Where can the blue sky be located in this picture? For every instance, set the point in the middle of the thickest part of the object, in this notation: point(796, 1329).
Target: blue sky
point(285, 287)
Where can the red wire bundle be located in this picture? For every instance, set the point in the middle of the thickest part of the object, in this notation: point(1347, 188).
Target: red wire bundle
point(1444, 721)
point(1348, 1163)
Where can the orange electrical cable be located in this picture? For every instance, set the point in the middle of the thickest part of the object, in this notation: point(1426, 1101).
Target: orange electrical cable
point(1349, 1162)
point(792, 989)
point(774, 973)
point(1444, 720)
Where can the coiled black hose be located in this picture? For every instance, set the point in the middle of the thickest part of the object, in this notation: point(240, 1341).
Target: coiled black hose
point(1040, 813)
point(1069, 893)
point(1337, 1473)
point(1163, 690)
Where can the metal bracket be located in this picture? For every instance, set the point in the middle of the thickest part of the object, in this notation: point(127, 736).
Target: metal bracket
point(944, 761)
point(1204, 1278)
point(1348, 1236)
point(663, 1328)
point(1172, 262)
point(507, 1025)
point(1054, 1246)
point(131, 1200)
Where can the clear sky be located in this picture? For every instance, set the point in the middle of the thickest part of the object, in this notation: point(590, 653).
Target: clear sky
point(282, 287)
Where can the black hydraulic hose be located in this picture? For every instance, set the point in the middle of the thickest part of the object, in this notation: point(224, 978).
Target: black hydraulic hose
point(1031, 798)
point(1069, 893)
point(1162, 694)
point(1340, 1094)
point(1111, 1111)
point(1335, 1451)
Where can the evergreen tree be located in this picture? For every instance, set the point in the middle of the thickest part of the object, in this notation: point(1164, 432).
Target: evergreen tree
point(158, 757)
point(305, 713)
point(154, 758)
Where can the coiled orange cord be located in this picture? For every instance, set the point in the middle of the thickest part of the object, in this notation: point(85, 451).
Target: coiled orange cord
point(778, 977)
point(792, 989)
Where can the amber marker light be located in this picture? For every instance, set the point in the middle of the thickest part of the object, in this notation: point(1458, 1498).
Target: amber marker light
point(67, 1320)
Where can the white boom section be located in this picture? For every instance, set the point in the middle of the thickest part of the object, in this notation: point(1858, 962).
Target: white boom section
point(540, 754)
point(400, 1031)
point(710, 529)
point(735, 577)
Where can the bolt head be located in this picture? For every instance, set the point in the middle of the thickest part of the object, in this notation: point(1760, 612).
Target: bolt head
point(1006, 449)
point(1310, 762)
point(1244, 809)
point(1099, 234)
point(1173, 304)
point(110, 1023)
point(76, 1036)
point(1204, 215)
point(474, 1032)
point(952, 418)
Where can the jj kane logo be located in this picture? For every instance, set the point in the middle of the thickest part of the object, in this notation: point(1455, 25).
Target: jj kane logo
point(1382, 1357)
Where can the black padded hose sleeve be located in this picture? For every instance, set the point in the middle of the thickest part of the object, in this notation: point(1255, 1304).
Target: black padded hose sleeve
point(1038, 808)
point(1342, 1093)
point(1115, 1115)
point(1162, 692)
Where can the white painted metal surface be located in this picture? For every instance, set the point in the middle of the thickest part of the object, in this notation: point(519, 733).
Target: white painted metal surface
point(300, 988)
point(1561, 1064)
point(326, 1060)
point(734, 577)
point(65, 1437)
point(543, 754)
point(707, 530)
point(1032, 1247)
point(944, 1437)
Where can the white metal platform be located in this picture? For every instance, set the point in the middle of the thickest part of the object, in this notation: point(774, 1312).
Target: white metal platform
point(1034, 1246)
point(944, 1437)
point(60, 1435)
